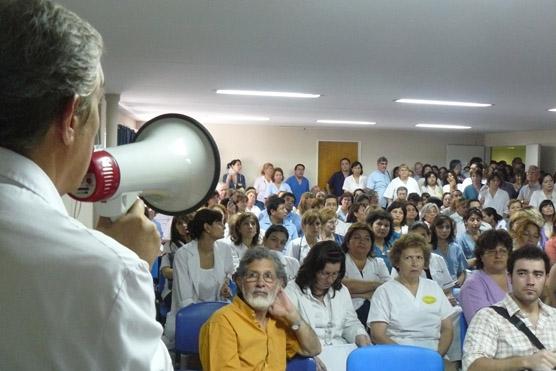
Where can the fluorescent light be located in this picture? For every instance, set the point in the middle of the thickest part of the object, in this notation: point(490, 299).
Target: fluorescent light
point(258, 93)
point(552, 110)
point(442, 126)
point(442, 102)
point(346, 122)
point(224, 117)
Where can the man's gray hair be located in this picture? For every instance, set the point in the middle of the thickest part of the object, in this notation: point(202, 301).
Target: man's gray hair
point(49, 55)
point(260, 253)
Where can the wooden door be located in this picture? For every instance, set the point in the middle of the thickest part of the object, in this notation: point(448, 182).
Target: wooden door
point(330, 154)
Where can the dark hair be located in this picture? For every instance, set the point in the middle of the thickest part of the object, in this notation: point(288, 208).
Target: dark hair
point(295, 167)
point(357, 227)
point(428, 175)
point(418, 225)
point(276, 228)
point(414, 197)
point(286, 194)
point(473, 211)
point(272, 203)
point(435, 200)
point(528, 252)
point(319, 255)
point(398, 205)
point(362, 197)
point(495, 175)
point(327, 196)
point(345, 159)
point(351, 218)
point(260, 253)
point(381, 215)
point(491, 211)
point(235, 231)
point(356, 163)
point(453, 165)
point(489, 240)
point(203, 216)
point(545, 203)
point(345, 195)
point(174, 234)
point(232, 163)
point(439, 220)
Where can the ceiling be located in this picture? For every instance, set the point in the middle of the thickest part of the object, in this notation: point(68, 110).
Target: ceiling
point(360, 55)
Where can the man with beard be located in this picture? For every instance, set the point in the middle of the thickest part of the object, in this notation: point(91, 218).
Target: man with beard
point(519, 332)
point(261, 328)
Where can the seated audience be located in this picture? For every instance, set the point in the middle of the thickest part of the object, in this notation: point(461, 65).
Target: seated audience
point(179, 236)
point(431, 186)
point(346, 199)
point(411, 213)
point(328, 221)
point(429, 213)
point(357, 213)
point(404, 180)
point(364, 271)
point(546, 208)
point(383, 235)
point(443, 243)
point(275, 239)
point(397, 211)
point(323, 302)
point(493, 342)
point(277, 213)
point(547, 191)
point(525, 228)
point(490, 283)
point(261, 328)
point(494, 196)
point(244, 235)
point(251, 205)
point(410, 309)
point(299, 247)
point(201, 268)
point(492, 218)
point(467, 240)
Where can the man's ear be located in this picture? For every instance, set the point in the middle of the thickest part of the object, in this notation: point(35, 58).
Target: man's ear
point(68, 121)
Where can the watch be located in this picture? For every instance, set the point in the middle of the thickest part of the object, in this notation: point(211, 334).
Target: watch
point(296, 325)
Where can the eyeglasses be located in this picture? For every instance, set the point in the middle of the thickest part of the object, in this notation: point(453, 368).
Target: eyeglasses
point(500, 252)
point(268, 277)
point(328, 274)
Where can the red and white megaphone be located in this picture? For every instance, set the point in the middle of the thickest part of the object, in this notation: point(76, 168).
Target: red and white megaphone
point(173, 165)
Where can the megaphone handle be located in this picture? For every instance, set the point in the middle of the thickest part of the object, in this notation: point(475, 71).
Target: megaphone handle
point(118, 206)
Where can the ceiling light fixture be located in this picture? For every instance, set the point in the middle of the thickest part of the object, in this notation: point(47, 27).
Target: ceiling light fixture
point(346, 122)
point(443, 126)
point(552, 110)
point(259, 93)
point(442, 102)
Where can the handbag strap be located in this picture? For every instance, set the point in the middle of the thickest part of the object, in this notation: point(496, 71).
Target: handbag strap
point(519, 325)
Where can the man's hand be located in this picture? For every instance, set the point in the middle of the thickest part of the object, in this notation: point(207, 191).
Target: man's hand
point(543, 360)
point(135, 231)
point(283, 309)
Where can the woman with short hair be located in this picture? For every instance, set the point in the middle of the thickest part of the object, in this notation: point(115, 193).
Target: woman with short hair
point(490, 283)
point(410, 309)
point(356, 180)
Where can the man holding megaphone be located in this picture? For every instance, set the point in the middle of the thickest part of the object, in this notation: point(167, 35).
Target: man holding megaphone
point(72, 298)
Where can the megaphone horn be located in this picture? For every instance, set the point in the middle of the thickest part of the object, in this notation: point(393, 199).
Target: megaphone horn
point(173, 164)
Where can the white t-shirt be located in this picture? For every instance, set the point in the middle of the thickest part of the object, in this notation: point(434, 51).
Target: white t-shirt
point(411, 320)
point(498, 202)
point(350, 184)
point(374, 270)
point(411, 185)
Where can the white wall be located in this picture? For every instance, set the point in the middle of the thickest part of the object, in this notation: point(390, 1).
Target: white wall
point(546, 138)
point(286, 146)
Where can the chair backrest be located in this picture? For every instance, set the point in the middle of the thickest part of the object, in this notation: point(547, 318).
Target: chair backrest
point(394, 357)
point(188, 324)
point(301, 364)
point(462, 328)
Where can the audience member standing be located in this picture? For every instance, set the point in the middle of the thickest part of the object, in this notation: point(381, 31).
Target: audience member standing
point(356, 180)
point(403, 180)
point(336, 181)
point(379, 180)
point(298, 183)
point(532, 185)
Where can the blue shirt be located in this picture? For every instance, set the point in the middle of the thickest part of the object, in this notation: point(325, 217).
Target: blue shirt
point(467, 243)
point(298, 188)
point(385, 255)
point(336, 182)
point(470, 193)
point(455, 259)
point(378, 181)
point(265, 223)
point(295, 219)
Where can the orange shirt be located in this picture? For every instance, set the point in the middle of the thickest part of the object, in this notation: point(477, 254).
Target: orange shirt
point(233, 340)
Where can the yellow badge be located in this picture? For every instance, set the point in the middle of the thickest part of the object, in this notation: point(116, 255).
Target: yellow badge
point(429, 299)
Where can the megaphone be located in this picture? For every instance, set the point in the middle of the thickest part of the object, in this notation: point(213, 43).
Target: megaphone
point(173, 164)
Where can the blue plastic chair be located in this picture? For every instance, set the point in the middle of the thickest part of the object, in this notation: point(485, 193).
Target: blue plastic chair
point(394, 357)
point(188, 325)
point(301, 364)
